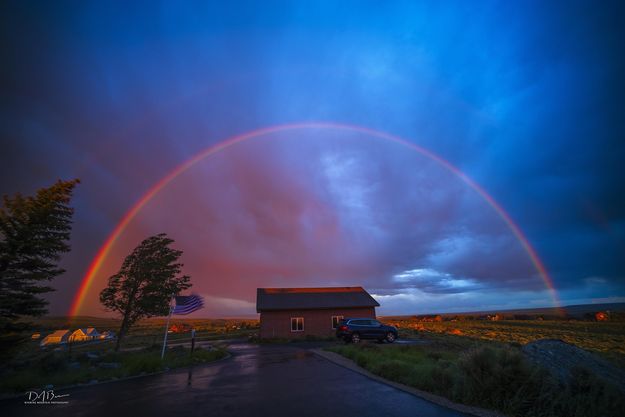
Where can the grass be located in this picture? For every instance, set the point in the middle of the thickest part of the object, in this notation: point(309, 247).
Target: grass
point(63, 369)
point(597, 336)
point(488, 374)
point(605, 338)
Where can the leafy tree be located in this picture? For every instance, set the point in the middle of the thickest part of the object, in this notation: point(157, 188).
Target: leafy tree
point(34, 232)
point(145, 283)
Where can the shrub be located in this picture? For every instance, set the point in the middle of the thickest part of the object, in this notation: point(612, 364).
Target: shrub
point(587, 395)
point(492, 377)
point(442, 379)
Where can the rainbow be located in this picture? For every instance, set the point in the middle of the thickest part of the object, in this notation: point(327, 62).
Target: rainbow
point(105, 249)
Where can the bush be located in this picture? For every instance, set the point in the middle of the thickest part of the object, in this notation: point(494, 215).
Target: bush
point(587, 395)
point(492, 377)
point(441, 378)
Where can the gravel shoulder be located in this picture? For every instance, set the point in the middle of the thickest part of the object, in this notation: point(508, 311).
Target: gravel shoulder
point(560, 358)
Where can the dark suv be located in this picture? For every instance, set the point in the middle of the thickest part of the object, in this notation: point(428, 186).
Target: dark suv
point(354, 330)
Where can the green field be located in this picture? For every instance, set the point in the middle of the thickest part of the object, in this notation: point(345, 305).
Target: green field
point(606, 338)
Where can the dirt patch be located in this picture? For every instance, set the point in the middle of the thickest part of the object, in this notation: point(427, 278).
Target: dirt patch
point(560, 358)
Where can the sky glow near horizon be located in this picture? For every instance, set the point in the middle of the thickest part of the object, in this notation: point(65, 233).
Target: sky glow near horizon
point(522, 98)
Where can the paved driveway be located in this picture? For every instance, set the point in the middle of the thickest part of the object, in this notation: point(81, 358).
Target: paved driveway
point(267, 380)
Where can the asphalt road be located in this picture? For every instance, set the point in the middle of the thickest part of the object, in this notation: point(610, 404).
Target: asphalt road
point(267, 380)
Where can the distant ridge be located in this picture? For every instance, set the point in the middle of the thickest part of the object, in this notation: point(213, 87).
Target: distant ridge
point(572, 310)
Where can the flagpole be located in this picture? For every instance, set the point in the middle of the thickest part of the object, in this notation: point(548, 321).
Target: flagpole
point(167, 328)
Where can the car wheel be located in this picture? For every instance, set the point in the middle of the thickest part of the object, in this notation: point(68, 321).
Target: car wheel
point(390, 337)
point(355, 338)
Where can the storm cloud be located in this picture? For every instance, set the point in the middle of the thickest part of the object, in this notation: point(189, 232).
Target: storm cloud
point(525, 99)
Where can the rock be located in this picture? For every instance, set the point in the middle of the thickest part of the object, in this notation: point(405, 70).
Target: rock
point(93, 381)
point(74, 365)
point(559, 358)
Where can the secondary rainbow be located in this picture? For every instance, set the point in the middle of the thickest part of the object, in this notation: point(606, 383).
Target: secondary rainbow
point(105, 249)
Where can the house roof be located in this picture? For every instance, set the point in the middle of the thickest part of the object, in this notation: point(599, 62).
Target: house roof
point(90, 331)
point(58, 333)
point(268, 299)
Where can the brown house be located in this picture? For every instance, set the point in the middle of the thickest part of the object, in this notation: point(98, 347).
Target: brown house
point(299, 312)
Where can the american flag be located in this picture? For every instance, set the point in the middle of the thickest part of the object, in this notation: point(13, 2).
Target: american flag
point(186, 304)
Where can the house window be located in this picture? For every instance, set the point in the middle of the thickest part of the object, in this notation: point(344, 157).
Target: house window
point(336, 320)
point(297, 324)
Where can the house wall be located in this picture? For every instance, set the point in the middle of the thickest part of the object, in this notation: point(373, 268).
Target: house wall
point(277, 324)
point(79, 336)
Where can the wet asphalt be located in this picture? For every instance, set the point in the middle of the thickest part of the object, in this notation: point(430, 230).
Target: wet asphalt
point(259, 380)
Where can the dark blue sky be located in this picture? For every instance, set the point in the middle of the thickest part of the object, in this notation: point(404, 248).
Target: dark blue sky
point(526, 99)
